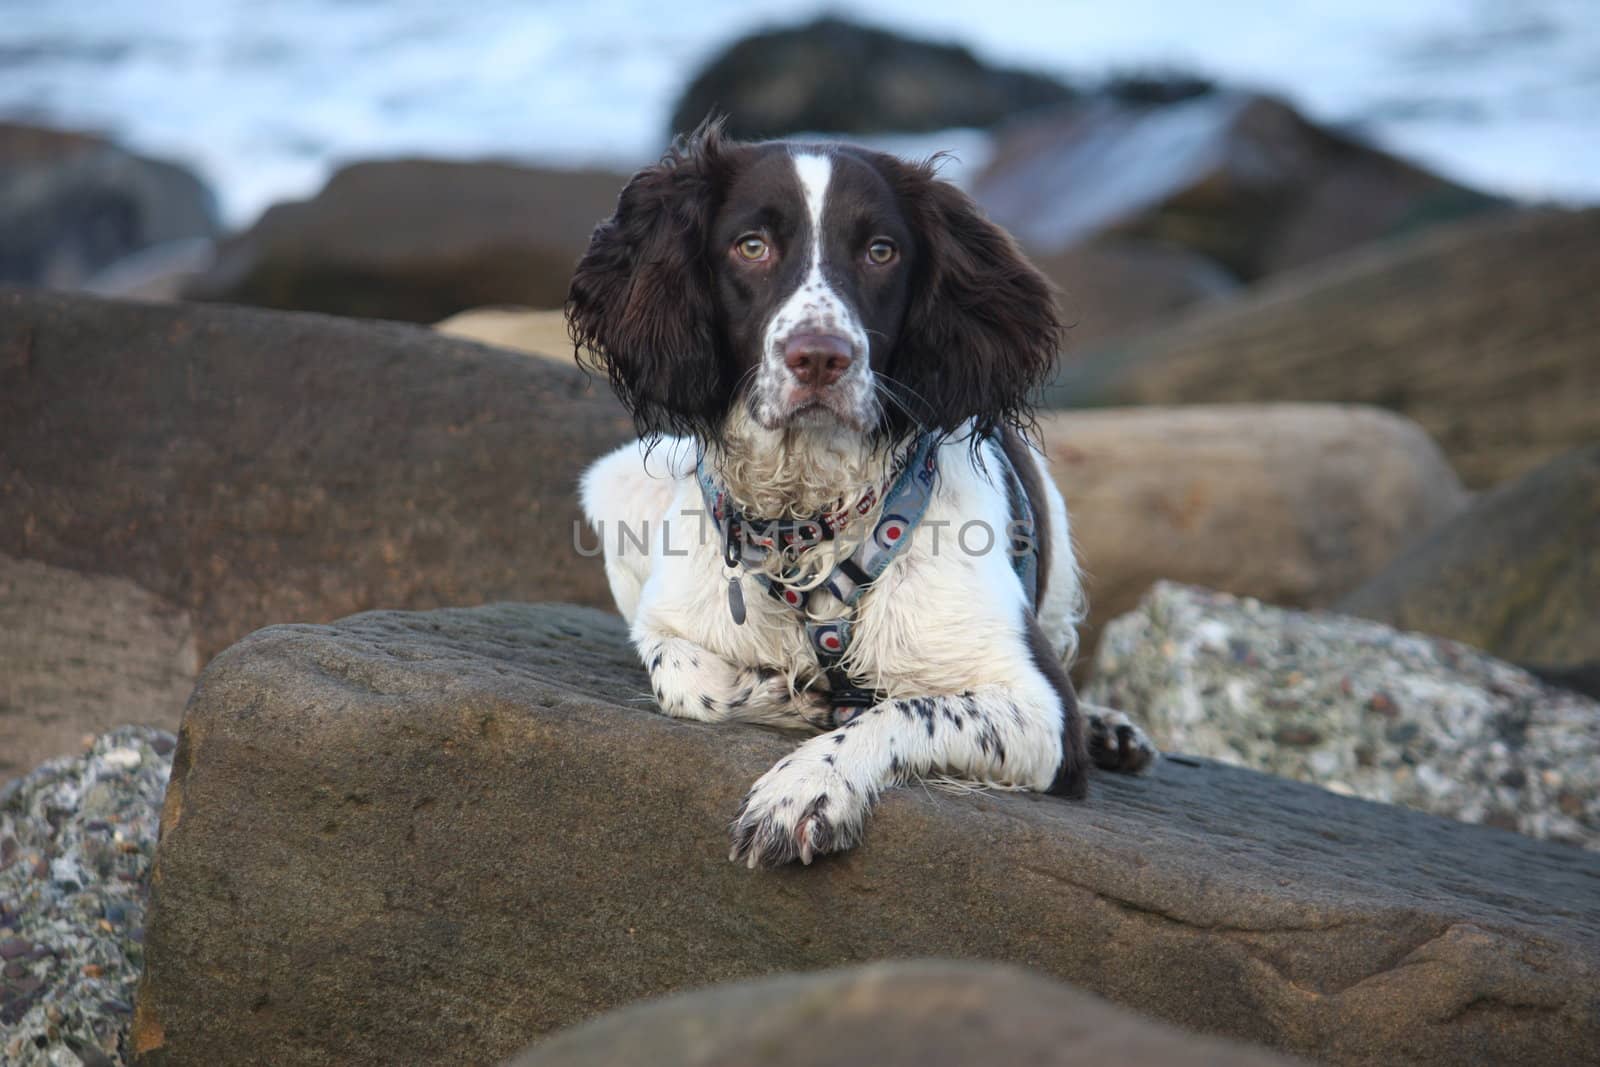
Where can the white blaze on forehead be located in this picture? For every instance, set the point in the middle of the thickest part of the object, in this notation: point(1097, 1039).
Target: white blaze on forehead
point(814, 172)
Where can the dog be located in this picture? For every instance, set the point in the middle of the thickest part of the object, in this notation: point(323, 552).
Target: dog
point(828, 353)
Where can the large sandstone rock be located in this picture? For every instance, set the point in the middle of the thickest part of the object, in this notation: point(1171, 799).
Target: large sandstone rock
point(417, 240)
point(1238, 177)
point(1517, 573)
point(72, 203)
point(1293, 503)
point(910, 1014)
point(1484, 333)
point(253, 467)
point(832, 75)
point(81, 653)
point(424, 838)
point(1358, 707)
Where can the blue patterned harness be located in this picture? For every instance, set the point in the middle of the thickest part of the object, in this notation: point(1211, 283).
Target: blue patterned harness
point(747, 542)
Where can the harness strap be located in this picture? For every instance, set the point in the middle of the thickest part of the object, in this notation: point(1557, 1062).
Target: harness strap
point(747, 543)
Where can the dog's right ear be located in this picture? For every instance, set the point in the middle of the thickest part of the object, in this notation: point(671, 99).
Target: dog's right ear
point(641, 306)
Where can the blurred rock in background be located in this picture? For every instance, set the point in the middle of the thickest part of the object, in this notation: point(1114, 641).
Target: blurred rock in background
point(1516, 574)
point(1483, 332)
point(416, 240)
point(74, 203)
point(837, 76)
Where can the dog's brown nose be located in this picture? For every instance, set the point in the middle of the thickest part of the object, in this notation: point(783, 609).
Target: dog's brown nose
point(817, 359)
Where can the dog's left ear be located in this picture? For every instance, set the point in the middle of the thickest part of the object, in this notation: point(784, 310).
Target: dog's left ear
point(982, 331)
point(641, 306)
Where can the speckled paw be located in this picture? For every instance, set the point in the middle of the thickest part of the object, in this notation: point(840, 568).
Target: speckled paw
point(796, 811)
point(1116, 744)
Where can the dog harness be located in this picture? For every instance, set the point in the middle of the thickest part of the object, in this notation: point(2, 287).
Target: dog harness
point(747, 542)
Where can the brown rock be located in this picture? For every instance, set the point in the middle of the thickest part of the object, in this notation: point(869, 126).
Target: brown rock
point(72, 203)
point(253, 467)
point(901, 1014)
point(1517, 573)
point(434, 837)
point(417, 240)
point(1292, 503)
point(81, 653)
point(1237, 177)
point(1116, 286)
point(1484, 333)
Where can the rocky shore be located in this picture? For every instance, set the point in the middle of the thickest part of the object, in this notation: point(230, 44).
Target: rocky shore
point(1326, 425)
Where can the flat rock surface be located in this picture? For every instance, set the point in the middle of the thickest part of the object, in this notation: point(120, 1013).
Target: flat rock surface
point(900, 1014)
point(1483, 332)
point(1359, 707)
point(252, 467)
point(81, 653)
point(422, 838)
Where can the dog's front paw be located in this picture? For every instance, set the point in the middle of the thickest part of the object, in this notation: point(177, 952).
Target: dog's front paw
point(1116, 744)
point(799, 810)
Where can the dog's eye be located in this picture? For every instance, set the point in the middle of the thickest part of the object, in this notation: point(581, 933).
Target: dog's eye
point(882, 251)
point(752, 247)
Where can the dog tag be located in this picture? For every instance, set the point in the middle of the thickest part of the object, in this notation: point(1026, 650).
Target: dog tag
point(735, 600)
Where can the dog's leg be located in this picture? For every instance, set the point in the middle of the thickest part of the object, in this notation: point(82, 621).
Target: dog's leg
point(1028, 733)
point(691, 682)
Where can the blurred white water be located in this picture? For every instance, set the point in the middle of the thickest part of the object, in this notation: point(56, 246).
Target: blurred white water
point(265, 98)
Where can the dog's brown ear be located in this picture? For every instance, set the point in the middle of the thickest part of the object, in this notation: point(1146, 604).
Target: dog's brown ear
point(982, 331)
point(641, 307)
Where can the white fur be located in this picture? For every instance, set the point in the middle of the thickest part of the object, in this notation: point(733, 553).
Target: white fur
point(941, 633)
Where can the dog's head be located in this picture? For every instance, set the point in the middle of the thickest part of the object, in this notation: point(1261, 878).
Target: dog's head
point(810, 283)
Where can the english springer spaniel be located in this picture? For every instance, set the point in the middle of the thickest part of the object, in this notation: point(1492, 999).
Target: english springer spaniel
point(834, 521)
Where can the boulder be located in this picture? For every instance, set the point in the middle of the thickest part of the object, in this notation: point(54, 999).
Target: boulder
point(1294, 503)
point(833, 75)
point(1483, 333)
point(1240, 178)
point(416, 240)
point(899, 1014)
point(251, 467)
point(77, 837)
point(1116, 286)
point(1517, 573)
point(1359, 707)
point(72, 203)
point(81, 653)
point(435, 837)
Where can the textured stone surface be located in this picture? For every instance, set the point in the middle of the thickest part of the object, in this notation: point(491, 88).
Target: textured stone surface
point(254, 467)
point(81, 653)
point(1517, 573)
point(72, 203)
point(1240, 178)
point(903, 1014)
point(1484, 333)
point(1294, 503)
point(1361, 708)
point(435, 837)
point(76, 840)
point(416, 240)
